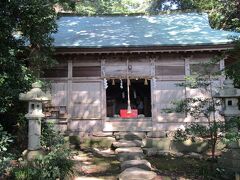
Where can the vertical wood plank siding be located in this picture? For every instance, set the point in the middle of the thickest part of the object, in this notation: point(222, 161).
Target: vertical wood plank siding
point(79, 86)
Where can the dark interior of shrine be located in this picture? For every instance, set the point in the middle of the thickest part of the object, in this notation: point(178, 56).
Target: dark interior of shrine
point(140, 97)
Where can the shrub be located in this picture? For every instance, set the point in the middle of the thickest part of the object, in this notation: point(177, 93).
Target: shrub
point(5, 157)
point(232, 133)
point(180, 135)
point(50, 138)
point(198, 130)
point(55, 164)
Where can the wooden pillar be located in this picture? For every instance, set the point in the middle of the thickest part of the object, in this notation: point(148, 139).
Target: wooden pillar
point(222, 67)
point(69, 88)
point(187, 73)
point(153, 91)
point(103, 91)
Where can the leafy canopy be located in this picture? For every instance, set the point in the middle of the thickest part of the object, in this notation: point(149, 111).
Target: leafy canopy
point(25, 41)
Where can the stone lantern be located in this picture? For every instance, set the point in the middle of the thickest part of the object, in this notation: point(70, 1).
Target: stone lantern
point(35, 98)
point(231, 156)
point(229, 96)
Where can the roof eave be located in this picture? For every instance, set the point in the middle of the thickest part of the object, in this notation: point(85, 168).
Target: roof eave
point(143, 49)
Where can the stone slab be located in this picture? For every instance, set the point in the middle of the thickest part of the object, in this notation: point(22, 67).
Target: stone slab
point(189, 146)
point(164, 153)
point(129, 150)
point(159, 143)
point(142, 164)
point(102, 134)
point(230, 164)
point(130, 156)
point(130, 136)
point(232, 154)
point(157, 134)
point(150, 151)
point(155, 151)
point(125, 143)
point(124, 126)
point(194, 155)
point(136, 174)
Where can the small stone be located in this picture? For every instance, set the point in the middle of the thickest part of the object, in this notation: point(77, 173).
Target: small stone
point(137, 174)
point(125, 143)
point(142, 164)
point(31, 155)
point(194, 155)
point(177, 154)
point(130, 156)
point(104, 153)
point(163, 153)
point(129, 149)
point(102, 134)
point(150, 151)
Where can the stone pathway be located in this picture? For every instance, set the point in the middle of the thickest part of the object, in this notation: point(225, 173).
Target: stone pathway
point(130, 154)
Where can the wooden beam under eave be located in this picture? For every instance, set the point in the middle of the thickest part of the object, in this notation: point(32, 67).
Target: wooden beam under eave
point(141, 49)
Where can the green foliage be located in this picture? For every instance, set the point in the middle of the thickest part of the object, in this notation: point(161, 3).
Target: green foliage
point(54, 165)
point(180, 135)
point(5, 157)
point(103, 7)
point(194, 130)
point(198, 130)
point(5, 140)
point(50, 138)
point(202, 107)
point(232, 133)
point(25, 48)
point(224, 14)
point(233, 63)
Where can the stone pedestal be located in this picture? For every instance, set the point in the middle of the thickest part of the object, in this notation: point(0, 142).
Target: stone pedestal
point(230, 159)
point(34, 133)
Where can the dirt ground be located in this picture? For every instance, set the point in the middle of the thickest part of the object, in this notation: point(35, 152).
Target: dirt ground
point(93, 166)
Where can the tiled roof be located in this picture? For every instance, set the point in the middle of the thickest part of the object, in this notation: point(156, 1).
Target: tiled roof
point(124, 31)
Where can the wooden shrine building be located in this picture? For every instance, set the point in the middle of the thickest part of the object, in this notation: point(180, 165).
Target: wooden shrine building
point(112, 63)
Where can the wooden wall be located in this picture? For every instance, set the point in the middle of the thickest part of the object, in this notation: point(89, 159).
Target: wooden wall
point(83, 93)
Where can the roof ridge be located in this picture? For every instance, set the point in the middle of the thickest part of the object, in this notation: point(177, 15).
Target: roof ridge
point(130, 15)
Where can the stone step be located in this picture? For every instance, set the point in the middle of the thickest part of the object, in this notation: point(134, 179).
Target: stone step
point(157, 134)
point(125, 143)
point(124, 125)
point(130, 156)
point(142, 164)
point(129, 150)
point(130, 135)
point(102, 134)
point(136, 174)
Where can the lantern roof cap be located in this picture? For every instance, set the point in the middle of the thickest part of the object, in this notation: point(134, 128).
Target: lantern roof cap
point(35, 94)
point(228, 90)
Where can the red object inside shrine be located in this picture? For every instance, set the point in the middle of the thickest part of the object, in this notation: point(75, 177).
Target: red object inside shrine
point(125, 114)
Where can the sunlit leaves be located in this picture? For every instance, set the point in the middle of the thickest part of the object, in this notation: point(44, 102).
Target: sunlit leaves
point(23, 56)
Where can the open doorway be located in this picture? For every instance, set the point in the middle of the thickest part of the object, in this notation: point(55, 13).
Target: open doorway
point(140, 96)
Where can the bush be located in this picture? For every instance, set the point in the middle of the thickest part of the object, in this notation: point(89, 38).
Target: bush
point(232, 133)
point(180, 135)
point(50, 138)
point(198, 130)
point(5, 157)
point(56, 164)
